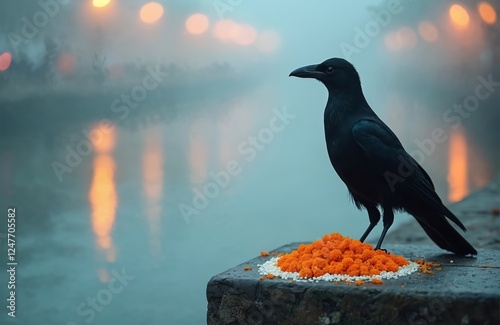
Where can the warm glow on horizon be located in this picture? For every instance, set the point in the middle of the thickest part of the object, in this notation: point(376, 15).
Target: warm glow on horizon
point(197, 24)
point(487, 13)
point(100, 3)
point(459, 15)
point(428, 31)
point(5, 61)
point(457, 166)
point(151, 12)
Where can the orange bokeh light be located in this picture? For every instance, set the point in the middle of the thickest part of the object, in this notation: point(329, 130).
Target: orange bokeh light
point(151, 12)
point(406, 37)
point(457, 166)
point(100, 3)
point(487, 13)
point(5, 61)
point(459, 15)
point(392, 42)
point(428, 31)
point(244, 35)
point(225, 29)
point(197, 24)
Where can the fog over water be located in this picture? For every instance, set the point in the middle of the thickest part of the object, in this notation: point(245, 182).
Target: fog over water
point(146, 149)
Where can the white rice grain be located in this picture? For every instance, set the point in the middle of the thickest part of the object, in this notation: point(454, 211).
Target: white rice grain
point(271, 267)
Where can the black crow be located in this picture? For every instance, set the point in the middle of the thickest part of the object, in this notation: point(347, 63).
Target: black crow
point(371, 161)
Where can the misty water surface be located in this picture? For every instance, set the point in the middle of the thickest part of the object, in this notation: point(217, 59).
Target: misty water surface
point(208, 171)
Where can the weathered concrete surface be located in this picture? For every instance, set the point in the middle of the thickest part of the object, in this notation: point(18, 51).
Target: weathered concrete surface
point(479, 212)
point(465, 291)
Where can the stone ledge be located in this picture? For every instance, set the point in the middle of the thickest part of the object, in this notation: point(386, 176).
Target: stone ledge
point(466, 291)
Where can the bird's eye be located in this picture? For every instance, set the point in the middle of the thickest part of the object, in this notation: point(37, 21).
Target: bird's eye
point(329, 69)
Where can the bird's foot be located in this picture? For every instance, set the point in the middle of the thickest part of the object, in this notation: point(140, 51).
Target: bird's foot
point(381, 249)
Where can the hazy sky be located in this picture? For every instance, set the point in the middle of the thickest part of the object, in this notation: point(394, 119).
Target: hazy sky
point(306, 32)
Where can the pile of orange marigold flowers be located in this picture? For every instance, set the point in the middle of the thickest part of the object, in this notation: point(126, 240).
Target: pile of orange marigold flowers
point(338, 255)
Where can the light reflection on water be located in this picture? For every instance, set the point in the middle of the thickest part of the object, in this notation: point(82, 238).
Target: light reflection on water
point(233, 129)
point(198, 155)
point(102, 195)
point(153, 178)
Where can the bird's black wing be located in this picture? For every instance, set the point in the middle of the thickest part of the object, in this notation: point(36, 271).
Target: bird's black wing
point(390, 161)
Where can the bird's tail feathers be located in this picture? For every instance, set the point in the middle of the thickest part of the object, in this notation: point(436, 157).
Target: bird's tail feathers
point(445, 236)
point(453, 218)
point(426, 193)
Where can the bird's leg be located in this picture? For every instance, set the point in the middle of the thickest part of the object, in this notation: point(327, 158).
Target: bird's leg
point(388, 219)
point(374, 216)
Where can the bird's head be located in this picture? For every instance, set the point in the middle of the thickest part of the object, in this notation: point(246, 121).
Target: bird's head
point(335, 74)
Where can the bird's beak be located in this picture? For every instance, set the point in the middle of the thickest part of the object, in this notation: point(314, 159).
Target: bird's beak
point(308, 71)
